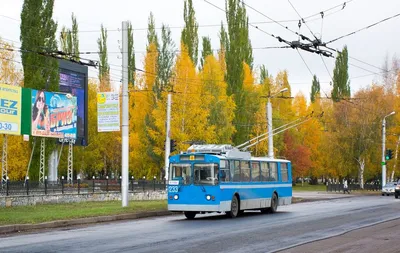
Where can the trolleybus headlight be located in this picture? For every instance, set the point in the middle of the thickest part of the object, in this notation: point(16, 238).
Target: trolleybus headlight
point(208, 197)
point(213, 198)
point(170, 196)
point(176, 196)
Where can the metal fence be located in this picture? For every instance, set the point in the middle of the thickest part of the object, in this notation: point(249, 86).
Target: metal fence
point(15, 188)
point(331, 187)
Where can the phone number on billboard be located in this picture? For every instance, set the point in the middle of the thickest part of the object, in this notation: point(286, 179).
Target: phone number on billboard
point(6, 126)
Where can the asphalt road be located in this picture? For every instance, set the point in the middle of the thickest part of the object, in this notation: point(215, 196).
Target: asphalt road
point(253, 232)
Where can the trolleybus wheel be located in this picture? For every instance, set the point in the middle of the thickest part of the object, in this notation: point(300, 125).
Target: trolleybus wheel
point(274, 204)
point(235, 208)
point(396, 196)
point(190, 215)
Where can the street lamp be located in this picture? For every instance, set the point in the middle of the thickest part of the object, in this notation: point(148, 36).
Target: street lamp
point(384, 148)
point(269, 120)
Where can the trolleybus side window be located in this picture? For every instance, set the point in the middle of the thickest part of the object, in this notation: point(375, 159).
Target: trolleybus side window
point(284, 172)
point(181, 172)
point(236, 176)
point(264, 171)
point(244, 171)
point(273, 172)
point(255, 171)
point(232, 169)
point(206, 173)
point(224, 171)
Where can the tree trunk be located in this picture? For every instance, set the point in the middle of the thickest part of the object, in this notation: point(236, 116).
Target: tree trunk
point(361, 162)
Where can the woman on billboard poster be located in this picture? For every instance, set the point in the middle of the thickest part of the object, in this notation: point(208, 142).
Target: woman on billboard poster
point(40, 113)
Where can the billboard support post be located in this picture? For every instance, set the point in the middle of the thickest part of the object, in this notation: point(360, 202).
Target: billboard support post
point(70, 176)
point(30, 159)
point(4, 168)
point(42, 160)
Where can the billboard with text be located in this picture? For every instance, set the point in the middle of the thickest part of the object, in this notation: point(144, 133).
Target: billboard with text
point(74, 80)
point(10, 109)
point(108, 112)
point(54, 115)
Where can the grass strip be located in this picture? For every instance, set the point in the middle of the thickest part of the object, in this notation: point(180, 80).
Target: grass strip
point(52, 212)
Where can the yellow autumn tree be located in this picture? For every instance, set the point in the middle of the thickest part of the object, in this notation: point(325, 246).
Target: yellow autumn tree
point(143, 157)
point(190, 104)
point(18, 150)
point(221, 106)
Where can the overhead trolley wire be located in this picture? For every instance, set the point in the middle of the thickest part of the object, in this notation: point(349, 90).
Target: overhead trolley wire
point(364, 28)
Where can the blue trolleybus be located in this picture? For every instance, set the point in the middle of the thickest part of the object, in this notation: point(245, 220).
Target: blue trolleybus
point(221, 178)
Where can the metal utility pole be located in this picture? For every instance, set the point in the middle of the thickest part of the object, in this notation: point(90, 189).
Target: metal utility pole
point(384, 149)
point(4, 164)
point(125, 116)
point(167, 138)
point(270, 137)
point(269, 122)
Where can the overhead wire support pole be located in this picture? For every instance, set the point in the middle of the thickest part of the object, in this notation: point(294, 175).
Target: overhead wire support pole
point(168, 137)
point(125, 116)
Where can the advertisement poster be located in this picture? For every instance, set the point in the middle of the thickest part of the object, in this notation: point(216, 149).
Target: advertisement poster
point(73, 82)
point(54, 115)
point(10, 109)
point(108, 112)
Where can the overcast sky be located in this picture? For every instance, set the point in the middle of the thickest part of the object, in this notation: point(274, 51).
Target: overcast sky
point(370, 46)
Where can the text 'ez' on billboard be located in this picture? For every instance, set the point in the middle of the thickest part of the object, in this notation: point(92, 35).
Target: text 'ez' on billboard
point(108, 112)
point(54, 115)
point(10, 109)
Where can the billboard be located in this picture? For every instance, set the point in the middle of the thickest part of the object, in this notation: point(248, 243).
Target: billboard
point(74, 80)
point(10, 109)
point(108, 112)
point(54, 115)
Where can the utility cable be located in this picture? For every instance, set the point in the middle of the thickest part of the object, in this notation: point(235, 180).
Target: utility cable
point(364, 28)
point(287, 28)
point(302, 20)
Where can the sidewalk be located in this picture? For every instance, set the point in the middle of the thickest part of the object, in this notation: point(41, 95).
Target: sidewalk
point(298, 197)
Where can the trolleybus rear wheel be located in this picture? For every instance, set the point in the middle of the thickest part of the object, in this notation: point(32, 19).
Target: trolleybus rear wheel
point(190, 215)
point(274, 204)
point(235, 208)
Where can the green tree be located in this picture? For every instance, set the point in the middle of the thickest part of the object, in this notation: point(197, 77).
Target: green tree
point(207, 50)
point(104, 68)
point(165, 61)
point(151, 32)
point(38, 34)
point(238, 50)
point(189, 35)
point(69, 40)
point(75, 38)
point(315, 89)
point(131, 56)
point(341, 83)
point(263, 73)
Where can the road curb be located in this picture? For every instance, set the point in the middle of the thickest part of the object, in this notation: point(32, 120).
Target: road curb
point(7, 229)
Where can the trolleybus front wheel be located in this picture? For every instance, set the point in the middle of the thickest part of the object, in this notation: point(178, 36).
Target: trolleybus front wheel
point(235, 208)
point(190, 215)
